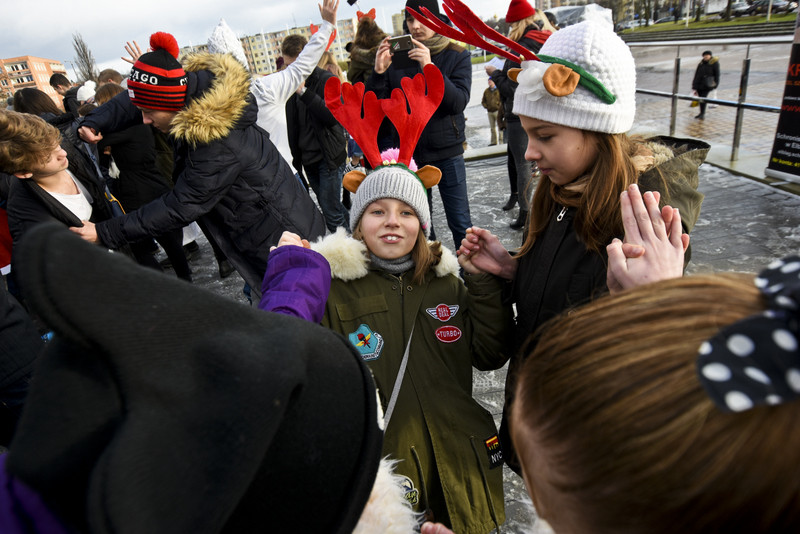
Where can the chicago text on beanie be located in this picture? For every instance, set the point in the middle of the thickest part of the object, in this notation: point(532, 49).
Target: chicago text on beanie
point(157, 80)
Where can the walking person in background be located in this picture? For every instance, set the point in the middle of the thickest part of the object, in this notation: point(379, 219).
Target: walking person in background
point(706, 79)
point(526, 32)
point(491, 101)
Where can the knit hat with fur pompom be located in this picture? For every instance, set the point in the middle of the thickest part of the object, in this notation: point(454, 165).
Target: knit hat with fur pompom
point(157, 80)
point(586, 79)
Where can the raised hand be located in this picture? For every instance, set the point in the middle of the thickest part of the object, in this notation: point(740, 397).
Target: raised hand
point(328, 10)
point(134, 51)
point(654, 243)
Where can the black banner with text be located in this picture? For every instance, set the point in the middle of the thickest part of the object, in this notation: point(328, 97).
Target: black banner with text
point(784, 163)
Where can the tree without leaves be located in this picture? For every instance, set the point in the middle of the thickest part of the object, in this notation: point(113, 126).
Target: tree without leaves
point(84, 60)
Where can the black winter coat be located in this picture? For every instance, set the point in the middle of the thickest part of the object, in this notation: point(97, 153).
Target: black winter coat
point(227, 172)
point(444, 135)
point(29, 204)
point(308, 118)
point(706, 77)
point(134, 152)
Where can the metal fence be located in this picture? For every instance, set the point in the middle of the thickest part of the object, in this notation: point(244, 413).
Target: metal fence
point(740, 104)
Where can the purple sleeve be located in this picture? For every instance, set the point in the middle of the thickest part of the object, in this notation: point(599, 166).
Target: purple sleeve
point(21, 508)
point(297, 283)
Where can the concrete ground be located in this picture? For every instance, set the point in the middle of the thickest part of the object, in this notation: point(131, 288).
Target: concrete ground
point(743, 225)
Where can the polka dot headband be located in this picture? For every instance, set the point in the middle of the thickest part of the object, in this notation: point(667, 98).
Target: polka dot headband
point(756, 361)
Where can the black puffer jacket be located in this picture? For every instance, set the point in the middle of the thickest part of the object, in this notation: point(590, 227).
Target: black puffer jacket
point(314, 133)
point(444, 134)
point(227, 172)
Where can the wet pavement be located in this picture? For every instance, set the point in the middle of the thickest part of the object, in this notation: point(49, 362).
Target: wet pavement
point(743, 225)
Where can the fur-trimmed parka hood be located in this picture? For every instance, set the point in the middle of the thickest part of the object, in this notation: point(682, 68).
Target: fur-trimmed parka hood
point(349, 259)
point(218, 97)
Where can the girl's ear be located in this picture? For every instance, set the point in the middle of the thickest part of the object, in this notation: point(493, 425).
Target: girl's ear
point(23, 175)
point(352, 180)
point(513, 73)
point(429, 176)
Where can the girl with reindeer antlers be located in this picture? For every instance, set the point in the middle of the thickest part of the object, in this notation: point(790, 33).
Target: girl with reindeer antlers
point(397, 297)
point(576, 102)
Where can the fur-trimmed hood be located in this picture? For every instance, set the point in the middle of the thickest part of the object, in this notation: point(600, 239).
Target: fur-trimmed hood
point(218, 97)
point(349, 259)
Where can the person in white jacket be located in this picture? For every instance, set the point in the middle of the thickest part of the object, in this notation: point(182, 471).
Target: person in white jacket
point(273, 90)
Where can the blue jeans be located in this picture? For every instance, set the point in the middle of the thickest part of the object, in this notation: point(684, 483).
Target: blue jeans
point(327, 185)
point(453, 190)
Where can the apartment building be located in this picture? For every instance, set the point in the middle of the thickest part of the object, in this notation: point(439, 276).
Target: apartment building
point(263, 49)
point(29, 71)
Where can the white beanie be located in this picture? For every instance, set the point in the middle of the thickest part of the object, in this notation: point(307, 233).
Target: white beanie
point(86, 91)
point(391, 181)
point(224, 41)
point(594, 48)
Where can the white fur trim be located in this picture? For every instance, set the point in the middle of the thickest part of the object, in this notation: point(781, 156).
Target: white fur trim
point(346, 256)
point(447, 265)
point(387, 511)
point(349, 258)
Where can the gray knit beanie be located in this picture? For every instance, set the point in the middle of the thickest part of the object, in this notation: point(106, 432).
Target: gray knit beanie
point(605, 98)
point(392, 181)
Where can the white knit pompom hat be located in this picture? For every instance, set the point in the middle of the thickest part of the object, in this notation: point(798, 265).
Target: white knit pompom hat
point(392, 181)
point(223, 40)
point(593, 47)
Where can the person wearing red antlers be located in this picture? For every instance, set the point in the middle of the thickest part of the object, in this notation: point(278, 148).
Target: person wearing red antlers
point(442, 141)
point(227, 172)
point(397, 297)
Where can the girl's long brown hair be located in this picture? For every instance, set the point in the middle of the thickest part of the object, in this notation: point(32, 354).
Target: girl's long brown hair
point(595, 195)
point(611, 399)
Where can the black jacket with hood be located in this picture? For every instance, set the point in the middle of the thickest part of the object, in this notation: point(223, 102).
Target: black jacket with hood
point(314, 133)
point(227, 172)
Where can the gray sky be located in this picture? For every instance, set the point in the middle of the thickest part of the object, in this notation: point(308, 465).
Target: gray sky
point(44, 28)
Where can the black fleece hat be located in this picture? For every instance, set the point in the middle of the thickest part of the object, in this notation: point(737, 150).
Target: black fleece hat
point(432, 5)
point(160, 407)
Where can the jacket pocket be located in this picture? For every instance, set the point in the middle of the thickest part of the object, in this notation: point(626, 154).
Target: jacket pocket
point(348, 311)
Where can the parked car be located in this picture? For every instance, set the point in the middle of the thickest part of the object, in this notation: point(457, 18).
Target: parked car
point(739, 9)
point(671, 18)
point(762, 6)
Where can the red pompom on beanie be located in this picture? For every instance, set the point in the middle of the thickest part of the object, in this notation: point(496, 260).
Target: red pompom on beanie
point(518, 10)
point(157, 80)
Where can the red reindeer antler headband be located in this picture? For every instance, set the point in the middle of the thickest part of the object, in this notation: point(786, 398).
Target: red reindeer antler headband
point(409, 110)
point(470, 27)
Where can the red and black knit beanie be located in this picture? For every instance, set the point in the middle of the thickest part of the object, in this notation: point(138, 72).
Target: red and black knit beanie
point(518, 10)
point(157, 80)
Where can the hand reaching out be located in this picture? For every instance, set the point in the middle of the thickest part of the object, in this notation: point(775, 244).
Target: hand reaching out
point(288, 238)
point(481, 251)
point(654, 243)
point(134, 51)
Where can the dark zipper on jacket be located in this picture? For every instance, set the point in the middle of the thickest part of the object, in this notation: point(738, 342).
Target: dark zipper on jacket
point(560, 216)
